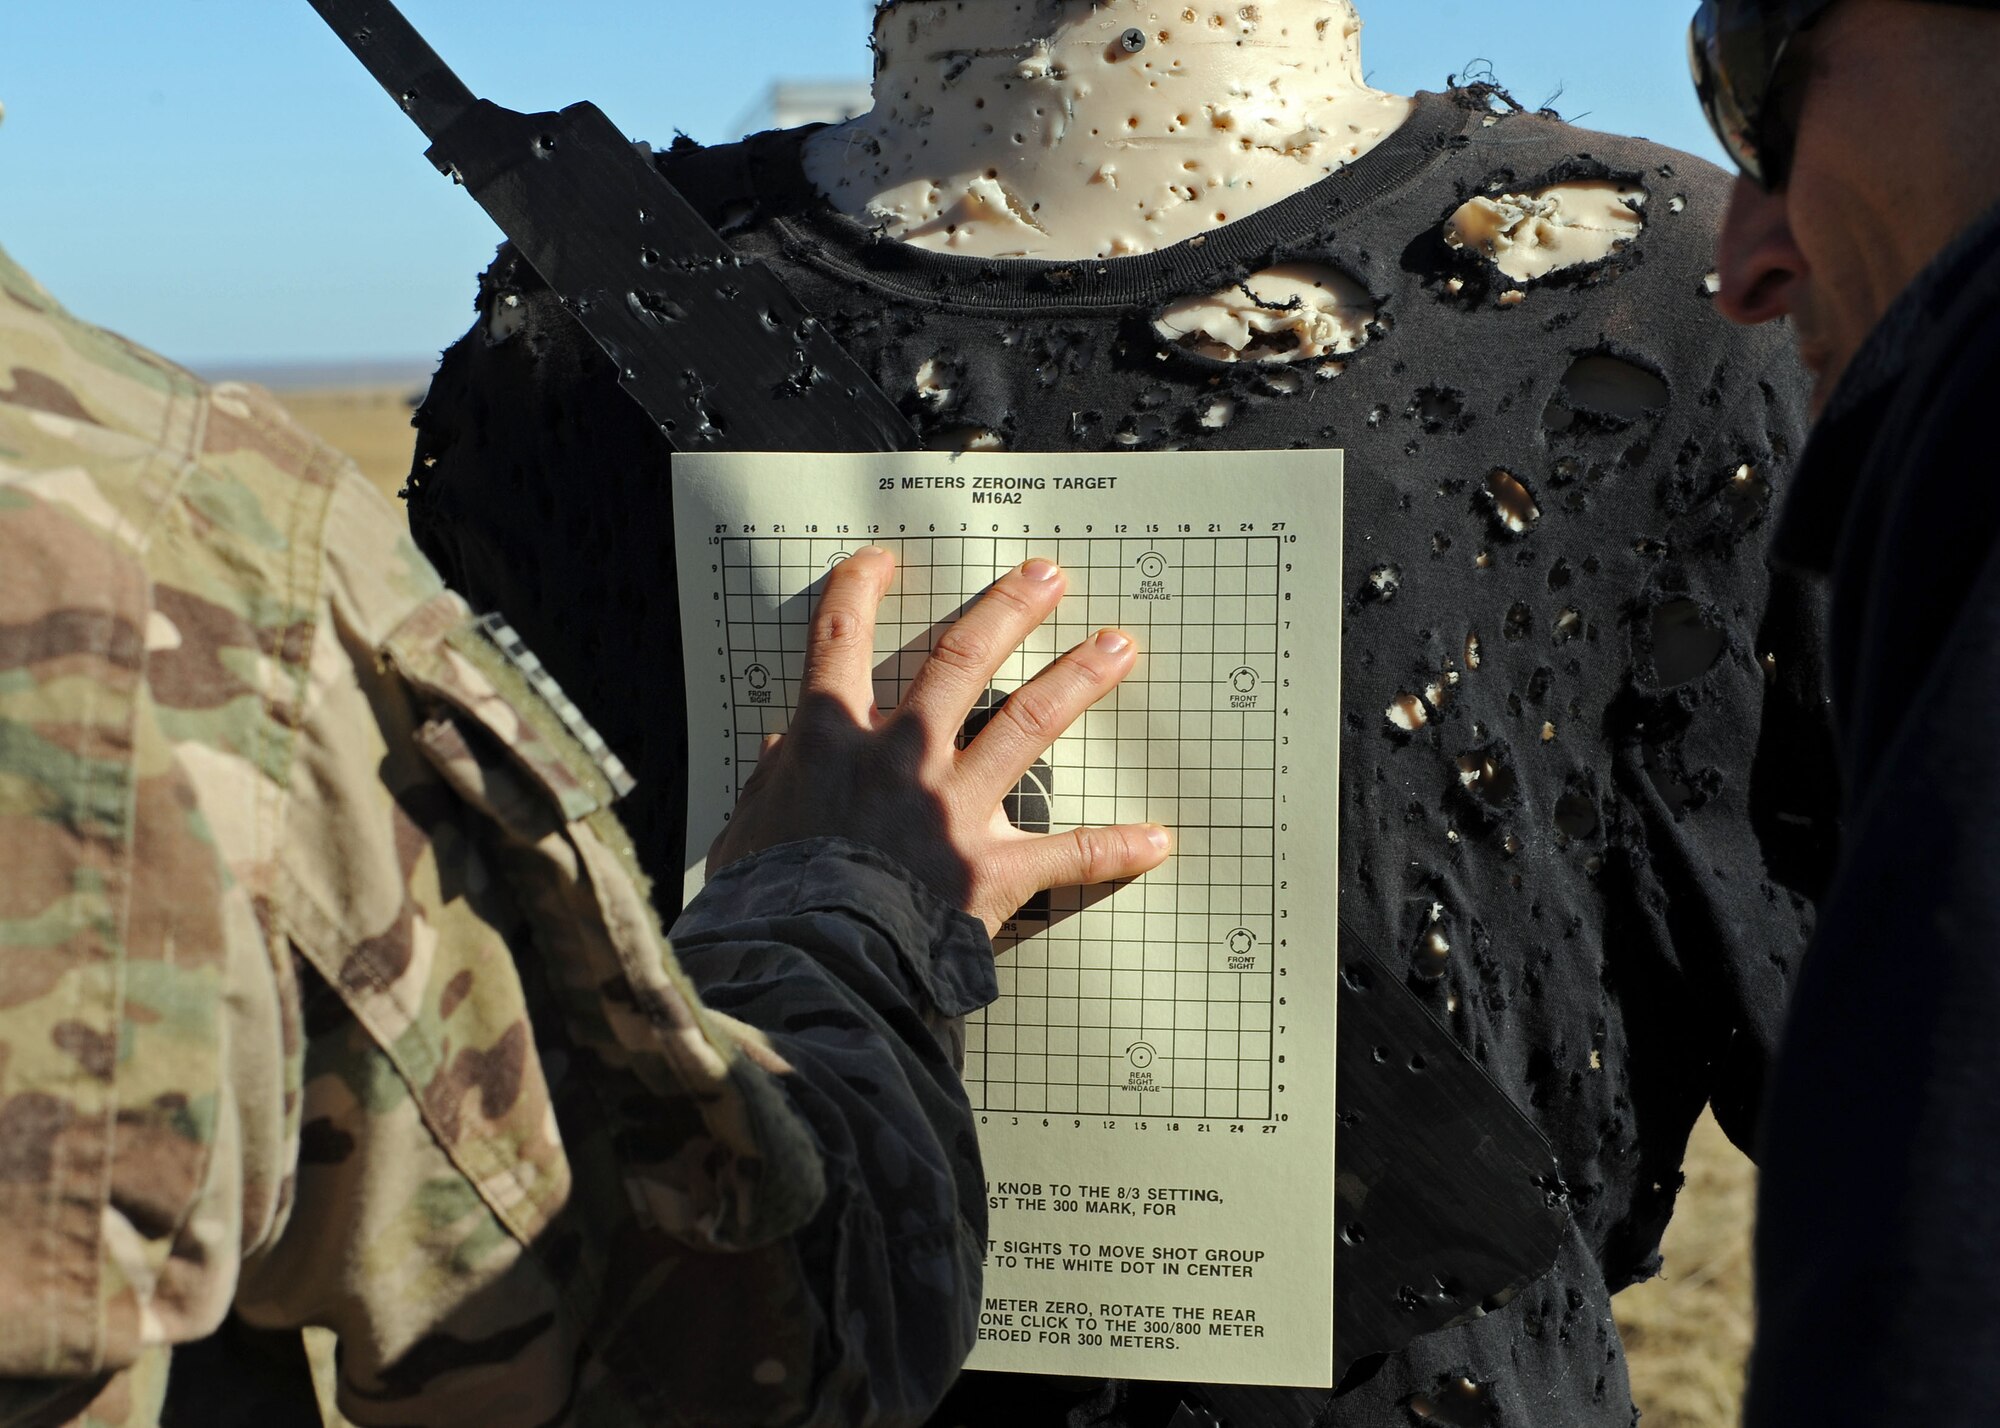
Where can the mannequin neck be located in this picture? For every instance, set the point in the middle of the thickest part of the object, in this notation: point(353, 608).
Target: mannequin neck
point(1071, 129)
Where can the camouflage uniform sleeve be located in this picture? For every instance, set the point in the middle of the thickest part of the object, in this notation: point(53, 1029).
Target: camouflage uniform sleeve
point(134, 982)
point(581, 1188)
point(852, 977)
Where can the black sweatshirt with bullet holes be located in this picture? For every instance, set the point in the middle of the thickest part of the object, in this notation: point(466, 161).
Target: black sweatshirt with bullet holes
point(1563, 646)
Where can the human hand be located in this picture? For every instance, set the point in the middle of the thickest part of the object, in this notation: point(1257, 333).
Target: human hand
point(897, 781)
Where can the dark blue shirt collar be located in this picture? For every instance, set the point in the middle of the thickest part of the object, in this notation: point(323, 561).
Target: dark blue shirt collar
point(1836, 454)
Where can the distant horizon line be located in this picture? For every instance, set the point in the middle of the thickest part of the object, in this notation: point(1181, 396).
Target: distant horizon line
point(297, 375)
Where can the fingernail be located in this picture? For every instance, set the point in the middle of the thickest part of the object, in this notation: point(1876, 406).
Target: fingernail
point(1113, 642)
point(1160, 838)
point(1041, 570)
point(870, 550)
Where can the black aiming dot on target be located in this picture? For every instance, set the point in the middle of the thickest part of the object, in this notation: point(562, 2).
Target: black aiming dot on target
point(1031, 806)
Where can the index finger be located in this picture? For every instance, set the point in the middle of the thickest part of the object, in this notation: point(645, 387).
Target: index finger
point(840, 644)
point(971, 651)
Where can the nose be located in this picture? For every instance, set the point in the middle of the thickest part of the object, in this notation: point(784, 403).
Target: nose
point(1759, 260)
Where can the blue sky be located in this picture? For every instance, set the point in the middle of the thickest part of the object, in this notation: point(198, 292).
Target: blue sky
point(219, 179)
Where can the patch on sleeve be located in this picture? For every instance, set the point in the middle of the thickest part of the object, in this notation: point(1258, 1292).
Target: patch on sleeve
point(480, 667)
point(510, 644)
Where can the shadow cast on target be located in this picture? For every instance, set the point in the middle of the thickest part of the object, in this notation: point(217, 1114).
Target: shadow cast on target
point(1031, 805)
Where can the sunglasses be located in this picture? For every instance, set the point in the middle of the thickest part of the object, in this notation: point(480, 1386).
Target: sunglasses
point(1738, 50)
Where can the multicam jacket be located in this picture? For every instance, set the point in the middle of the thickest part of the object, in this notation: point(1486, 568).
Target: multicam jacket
point(330, 996)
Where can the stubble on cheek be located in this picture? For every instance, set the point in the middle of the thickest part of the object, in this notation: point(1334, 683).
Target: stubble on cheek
point(1813, 349)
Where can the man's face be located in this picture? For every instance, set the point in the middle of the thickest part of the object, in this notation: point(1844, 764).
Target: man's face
point(1874, 190)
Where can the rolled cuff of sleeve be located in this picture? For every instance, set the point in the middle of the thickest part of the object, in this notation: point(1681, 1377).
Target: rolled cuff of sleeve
point(943, 954)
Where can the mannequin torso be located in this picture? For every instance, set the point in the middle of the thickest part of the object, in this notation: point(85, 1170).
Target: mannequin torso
point(1545, 480)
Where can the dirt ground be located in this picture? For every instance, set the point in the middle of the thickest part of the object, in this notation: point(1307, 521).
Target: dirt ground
point(370, 424)
point(1687, 1332)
